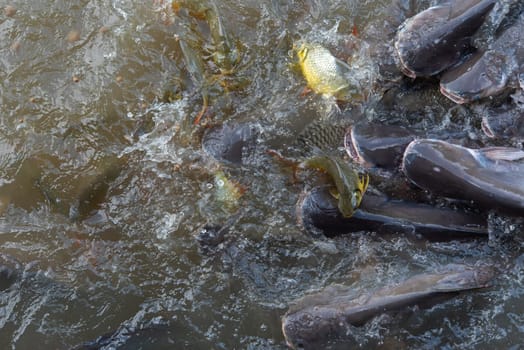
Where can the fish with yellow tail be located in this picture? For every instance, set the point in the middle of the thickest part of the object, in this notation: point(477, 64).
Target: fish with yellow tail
point(350, 186)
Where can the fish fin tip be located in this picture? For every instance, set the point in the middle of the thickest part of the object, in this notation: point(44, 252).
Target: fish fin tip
point(503, 153)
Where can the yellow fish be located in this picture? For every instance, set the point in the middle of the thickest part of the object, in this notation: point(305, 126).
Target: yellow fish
point(325, 74)
point(350, 186)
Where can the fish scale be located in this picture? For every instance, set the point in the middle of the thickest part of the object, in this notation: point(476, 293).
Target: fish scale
point(324, 73)
point(321, 136)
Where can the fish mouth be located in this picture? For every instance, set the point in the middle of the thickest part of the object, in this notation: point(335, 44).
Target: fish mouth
point(452, 96)
point(484, 125)
point(351, 148)
point(402, 65)
point(407, 72)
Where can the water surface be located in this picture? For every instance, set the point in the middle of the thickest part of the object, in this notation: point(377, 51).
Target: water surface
point(104, 186)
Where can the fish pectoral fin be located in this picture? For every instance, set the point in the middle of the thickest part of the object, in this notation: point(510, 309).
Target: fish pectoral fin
point(306, 91)
point(364, 182)
point(503, 153)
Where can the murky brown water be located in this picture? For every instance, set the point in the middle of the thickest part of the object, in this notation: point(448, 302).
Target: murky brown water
point(104, 188)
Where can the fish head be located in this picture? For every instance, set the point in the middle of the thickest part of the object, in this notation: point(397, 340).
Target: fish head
point(483, 74)
point(291, 334)
point(312, 326)
point(301, 50)
point(413, 45)
point(505, 122)
point(437, 38)
point(484, 275)
point(358, 193)
point(350, 186)
point(348, 205)
point(377, 144)
point(352, 147)
point(231, 144)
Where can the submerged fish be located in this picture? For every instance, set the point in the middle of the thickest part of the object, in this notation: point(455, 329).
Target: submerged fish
point(493, 177)
point(195, 68)
point(325, 74)
point(331, 313)
point(437, 38)
point(233, 144)
point(226, 53)
point(503, 122)
point(228, 192)
point(350, 187)
point(489, 72)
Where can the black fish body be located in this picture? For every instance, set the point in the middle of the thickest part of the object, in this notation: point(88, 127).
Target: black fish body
point(492, 177)
point(437, 38)
point(488, 72)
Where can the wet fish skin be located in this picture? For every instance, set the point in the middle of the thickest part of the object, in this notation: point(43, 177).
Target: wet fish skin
point(332, 312)
point(504, 122)
point(7, 277)
point(350, 186)
point(320, 135)
point(318, 215)
point(377, 144)
point(232, 144)
point(437, 38)
point(492, 177)
point(471, 81)
point(325, 74)
point(489, 72)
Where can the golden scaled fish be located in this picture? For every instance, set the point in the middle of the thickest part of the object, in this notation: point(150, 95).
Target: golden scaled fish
point(325, 74)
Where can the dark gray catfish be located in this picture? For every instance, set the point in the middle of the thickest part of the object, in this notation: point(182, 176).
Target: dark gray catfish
point(493, 177)
point(488, 72)
point(377, 144)
point(437, 38)
point(504, 122)
point(232, 144)
point(331, 313)
point(318, 214)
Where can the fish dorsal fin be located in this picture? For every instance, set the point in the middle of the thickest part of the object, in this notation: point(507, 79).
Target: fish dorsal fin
point(503, 153)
